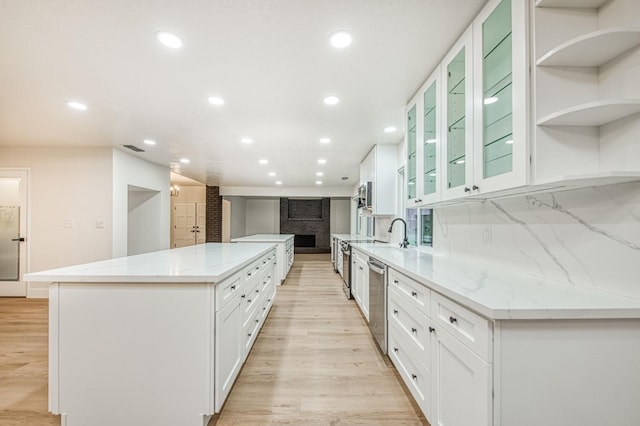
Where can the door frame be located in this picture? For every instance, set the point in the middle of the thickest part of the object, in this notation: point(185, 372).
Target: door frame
point(22, 290)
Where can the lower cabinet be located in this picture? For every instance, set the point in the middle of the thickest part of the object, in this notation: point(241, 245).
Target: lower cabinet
point(243, 303)
point(360, 281)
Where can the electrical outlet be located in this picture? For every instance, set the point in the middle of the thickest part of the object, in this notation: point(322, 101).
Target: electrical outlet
point(99, 223)
point(486, 234)
point(68, 223)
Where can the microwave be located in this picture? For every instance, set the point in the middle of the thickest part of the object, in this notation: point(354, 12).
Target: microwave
point(365, 193)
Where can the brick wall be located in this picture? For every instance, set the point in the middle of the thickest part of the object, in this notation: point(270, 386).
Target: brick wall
point(214, 214)
point(310, 217)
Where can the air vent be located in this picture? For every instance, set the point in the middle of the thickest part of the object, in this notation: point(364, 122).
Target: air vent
point(344, 178)
point(133, 148)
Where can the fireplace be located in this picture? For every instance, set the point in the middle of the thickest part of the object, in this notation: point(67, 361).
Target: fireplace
point(304, 241)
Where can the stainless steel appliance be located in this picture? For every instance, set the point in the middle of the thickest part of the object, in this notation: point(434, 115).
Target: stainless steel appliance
point(345, 248)
point(378, 302)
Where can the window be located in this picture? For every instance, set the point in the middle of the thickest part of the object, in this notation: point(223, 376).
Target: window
point(412, 226)
point(426, 227)
point(419, 226)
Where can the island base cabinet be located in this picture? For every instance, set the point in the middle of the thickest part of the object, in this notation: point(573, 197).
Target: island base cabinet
point(229, 349)
point(462, 385)
point(568, 373)
point(131, 353)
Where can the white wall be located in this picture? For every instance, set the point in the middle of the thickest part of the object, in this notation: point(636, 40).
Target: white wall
point(263, 216)
point(133, 171)
point(238, 216)
point(143, 220)
point(588, 237)
point(65, 184)
point(9, 192)
point(340, 216)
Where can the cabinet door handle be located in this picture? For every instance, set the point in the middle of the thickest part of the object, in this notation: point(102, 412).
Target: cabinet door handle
point(414, 330)
point(257, 321)
point(453, 320)
point(414, 294)
point(395, 349)
point(467, 189)
point(257, 290)
point(413, 376)
point(431, 329)
point(249, 273)
point(257, 267)
point(395, 312)
point(395, 281)
point(249, 334)
point(264, 309)
point(475, 187)
point(243, 296)
point(248, 300)
point(233, 287)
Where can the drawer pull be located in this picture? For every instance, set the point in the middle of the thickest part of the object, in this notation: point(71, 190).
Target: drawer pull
point(243, 296)
point(395, 349)
point(268, 300)
point(249, 273)
point(257, 267)
point(395, 281)
point(233, 287)
point(414, 294)
point(257, 290)
point(414, 330)
point(257, 321)
point(249, 334)
point(395, 312)
point(431, 329)
point(248, 300)
point(453, 320)
point(414, 377)
point(264, 309)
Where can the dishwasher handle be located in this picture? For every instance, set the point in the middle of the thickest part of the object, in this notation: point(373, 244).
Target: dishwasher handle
point(376, 267)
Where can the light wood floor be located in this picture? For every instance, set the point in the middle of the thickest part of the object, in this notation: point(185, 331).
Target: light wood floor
point(314, 362)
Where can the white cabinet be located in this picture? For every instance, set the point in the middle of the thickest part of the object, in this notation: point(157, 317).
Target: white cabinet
point(360, 281)
point(587, 94)
point(379, 168)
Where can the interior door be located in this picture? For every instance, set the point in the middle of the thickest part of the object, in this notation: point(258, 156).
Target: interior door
point(201, 223)
point(13, 221)
point(184, 224)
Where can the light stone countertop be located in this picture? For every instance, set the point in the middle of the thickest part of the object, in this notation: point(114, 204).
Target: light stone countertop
point(263, 238)
point(501, 294)
point(202, 263)
point(351, 237)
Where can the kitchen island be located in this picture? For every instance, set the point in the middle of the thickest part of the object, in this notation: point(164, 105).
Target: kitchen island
point(480, 345)
point(284, 250)
point(157, 338)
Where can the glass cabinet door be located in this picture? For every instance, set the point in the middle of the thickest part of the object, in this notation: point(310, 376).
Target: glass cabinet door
point(430, 126)
point(411, 153)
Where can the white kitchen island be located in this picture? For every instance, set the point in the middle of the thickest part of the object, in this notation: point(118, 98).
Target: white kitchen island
point(157, 338)
point(284, 250)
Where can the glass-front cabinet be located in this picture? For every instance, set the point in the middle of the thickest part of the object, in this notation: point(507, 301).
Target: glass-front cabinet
point(423, 143)
point(501, 70)
point(457, 106)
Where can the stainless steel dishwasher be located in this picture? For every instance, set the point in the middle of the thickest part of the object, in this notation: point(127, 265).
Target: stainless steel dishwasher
point(378, 302)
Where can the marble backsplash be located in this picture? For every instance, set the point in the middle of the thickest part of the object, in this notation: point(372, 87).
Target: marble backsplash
point(587, 237)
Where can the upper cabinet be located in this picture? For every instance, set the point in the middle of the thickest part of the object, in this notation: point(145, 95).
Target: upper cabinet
point(537, 95)
point(379, 168)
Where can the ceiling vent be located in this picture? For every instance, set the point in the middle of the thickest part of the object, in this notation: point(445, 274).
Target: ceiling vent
point(344, 178)
point(133, 148)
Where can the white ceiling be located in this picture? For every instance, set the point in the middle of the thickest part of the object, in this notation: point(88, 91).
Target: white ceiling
point(269, 59)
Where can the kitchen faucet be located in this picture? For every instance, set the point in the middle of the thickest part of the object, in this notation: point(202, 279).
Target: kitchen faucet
point(404, 242)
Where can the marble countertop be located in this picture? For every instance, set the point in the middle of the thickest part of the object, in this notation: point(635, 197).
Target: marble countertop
point(263, 238)
point(352, 237)
point(500, 294)
point(203, 263)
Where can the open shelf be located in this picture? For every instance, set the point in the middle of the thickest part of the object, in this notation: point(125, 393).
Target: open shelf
point(577, 4)
point(593, 49)
point(593, 113)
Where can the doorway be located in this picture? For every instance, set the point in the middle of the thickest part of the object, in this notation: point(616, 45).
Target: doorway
point(189, 224)
point(13, 231)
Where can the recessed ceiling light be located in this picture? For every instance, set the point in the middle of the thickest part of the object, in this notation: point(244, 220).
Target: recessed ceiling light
point(169, 39)
point(263, 161)
point(216, 100)
point(331, 100)
point(341, 39)
point(246, 140)
point(272, 173)
point(412, 183)
point(318, 182)
point(77, 105)
point(389, 129)
point(432, 174)
point(278, 182)
point(185, 161)
point(319, 174)
point(490, 100)
point(509, 142)
point(149, 142)
point(322, 161)
point(460, 162)
point(430, 141)
point(325, 140)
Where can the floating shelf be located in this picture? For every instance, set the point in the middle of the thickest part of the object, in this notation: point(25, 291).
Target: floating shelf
point(593, 49)
point(592, 179)
point(576, 4)
point(593, 113)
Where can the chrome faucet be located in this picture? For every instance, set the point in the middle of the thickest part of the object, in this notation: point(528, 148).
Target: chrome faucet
point(405, 241)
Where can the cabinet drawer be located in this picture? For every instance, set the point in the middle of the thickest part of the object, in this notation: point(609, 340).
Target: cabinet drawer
point(251, 270)
point(414, 325)
point(471, 329)
point(250, 330)
point(226, 289)
point(268, 301)
point(268, 260)
point(250, 299)
point(416, 376)
point(359, 256)
point(419, 295)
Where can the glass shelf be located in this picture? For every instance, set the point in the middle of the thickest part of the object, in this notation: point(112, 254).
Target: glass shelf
point(412, 153)
point(429, 140)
